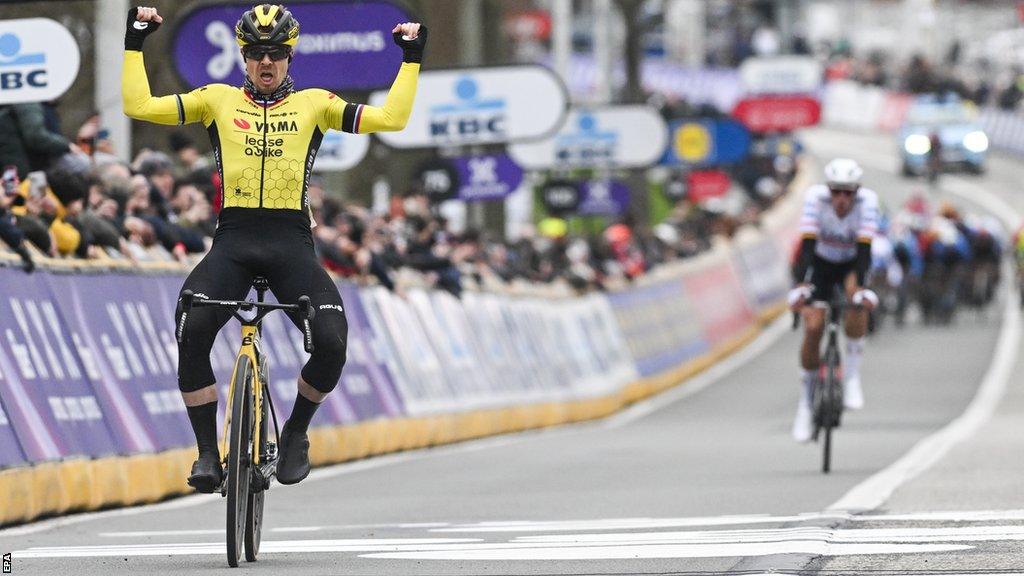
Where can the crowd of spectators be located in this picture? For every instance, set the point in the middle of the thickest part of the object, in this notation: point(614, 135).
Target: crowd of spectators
point(79, 200)
point(979, 82)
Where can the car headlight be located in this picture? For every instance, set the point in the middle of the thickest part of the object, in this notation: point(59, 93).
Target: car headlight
point(976, 141)
point(918, 144)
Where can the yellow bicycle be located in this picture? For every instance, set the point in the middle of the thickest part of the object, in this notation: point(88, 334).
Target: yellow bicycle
point(250, 458)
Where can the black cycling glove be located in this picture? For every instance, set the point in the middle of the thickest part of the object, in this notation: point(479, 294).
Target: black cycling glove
point(412, 50)
point(136, 31)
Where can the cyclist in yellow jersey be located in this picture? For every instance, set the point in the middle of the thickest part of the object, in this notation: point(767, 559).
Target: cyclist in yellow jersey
point(265, 136)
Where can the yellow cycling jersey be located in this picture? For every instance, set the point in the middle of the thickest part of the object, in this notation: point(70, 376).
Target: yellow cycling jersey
point(265, 153)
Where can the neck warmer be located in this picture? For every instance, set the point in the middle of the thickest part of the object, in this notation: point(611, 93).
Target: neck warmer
point(282, 92)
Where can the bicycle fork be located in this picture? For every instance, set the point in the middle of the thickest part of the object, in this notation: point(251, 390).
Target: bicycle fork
point(251, 350)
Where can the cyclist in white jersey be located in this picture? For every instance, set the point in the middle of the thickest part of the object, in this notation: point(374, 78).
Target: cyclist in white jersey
point(839, 221)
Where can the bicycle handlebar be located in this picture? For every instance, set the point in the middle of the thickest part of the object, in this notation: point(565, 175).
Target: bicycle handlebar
point(837, 304)
point(303, 307)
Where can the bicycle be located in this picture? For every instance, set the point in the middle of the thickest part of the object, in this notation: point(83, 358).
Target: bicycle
point(250, 458)
point(827, 392)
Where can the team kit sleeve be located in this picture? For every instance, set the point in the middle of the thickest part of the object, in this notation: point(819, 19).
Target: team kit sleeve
point(364, 119)
point(140, 104)
point(808, 229)
point(810, 216)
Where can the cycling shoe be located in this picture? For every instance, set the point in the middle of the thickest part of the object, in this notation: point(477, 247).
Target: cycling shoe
point(207, 473)
point(293, 462)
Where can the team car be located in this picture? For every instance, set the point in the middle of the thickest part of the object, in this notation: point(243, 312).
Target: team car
point(946, 124)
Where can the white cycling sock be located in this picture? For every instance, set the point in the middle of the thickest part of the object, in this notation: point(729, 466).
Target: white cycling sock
point(854, 353)
point(806, 386)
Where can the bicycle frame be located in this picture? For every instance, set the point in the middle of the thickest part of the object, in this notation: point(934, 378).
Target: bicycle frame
point(250, 348)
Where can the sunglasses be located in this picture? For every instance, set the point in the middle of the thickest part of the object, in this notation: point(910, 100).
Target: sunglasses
point(276, 53)
point(842, 192)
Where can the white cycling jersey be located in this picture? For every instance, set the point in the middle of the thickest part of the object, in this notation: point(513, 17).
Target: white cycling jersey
point(837, 237)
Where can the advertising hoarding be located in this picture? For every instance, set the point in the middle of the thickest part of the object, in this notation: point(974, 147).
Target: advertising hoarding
point(38, 60)
point(706, 142)
point(344, 46)
point(613, 136)
point(493, 105)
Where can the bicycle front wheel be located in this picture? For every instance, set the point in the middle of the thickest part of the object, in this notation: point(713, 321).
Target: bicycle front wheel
point(254, 511)
point(239, 458)
point(826, 451)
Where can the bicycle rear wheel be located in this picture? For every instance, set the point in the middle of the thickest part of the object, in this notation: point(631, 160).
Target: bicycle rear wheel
point(832, 406)
point(239, 458)
point(254, 510)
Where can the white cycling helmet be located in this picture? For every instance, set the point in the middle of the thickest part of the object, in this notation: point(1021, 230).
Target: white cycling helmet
point(843, 173)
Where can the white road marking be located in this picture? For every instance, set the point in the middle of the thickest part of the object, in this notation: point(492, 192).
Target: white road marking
point(152, 533)
point(817, 541)
point(622, 538)
point(843, 535)
point(948, 516)
point(736, 520)
point(551, 526)
point(668, 551)
point(701, 381)
point(620, 524)
point(266, 547)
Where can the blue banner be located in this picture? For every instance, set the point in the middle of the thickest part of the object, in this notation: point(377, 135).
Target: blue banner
point(706, 142)
point(44, 387)
point(343, 46)
point(487, 177)
point(123, 327)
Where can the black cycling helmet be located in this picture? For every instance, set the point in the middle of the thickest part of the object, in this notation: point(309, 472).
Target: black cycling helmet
point(267, 24)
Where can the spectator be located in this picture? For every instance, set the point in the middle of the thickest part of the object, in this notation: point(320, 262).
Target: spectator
point(68, 179)
point(192, 209)
point(95, 141)
point(187, 154)
point(1010, 97)
point(919, 77)
point(97, 218)
point(24, 140)
point(158, 169)
point(9, 231)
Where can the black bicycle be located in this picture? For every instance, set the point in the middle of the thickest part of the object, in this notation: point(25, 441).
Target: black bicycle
point(827, 392)
point(250, 458)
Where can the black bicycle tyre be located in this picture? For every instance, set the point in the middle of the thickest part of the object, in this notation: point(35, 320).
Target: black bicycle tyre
point(254, 508)
point(831, 406)
point(826, 451)
point(239, 444)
